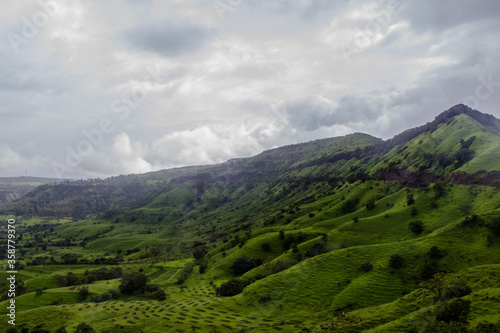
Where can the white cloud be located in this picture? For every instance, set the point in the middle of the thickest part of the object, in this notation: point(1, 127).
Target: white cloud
point(271, 73)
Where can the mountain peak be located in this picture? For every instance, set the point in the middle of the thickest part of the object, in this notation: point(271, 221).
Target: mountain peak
point(484, 119)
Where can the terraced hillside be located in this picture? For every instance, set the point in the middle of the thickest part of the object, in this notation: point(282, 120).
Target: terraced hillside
point(349, 234)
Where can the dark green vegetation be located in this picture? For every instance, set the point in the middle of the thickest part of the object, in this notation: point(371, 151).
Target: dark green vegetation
point(12, 188)
point(350, 234)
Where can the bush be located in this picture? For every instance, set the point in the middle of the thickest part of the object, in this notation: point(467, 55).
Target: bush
point(84, 328)
point(199, 253)
point(428, 271)
point(486, 327)
point(231, 287)
point(366, 266)
point(349, 206)
point(264, 297)
point(203, 266)
point(456, 310)
point(416, 227)
point(282, 264)
point(494, 226)
point(414, 211)
point(133, 283)
point(472, 221)
point(442, 327)
point(439, 189)
point(409, 199)
point(184, 274)
point(435, 253)
point(266, 246)
point(396, 260)
point(370, 204)
point(455, 290)
point(83, 292)
point(289, 240)
point(243, 264)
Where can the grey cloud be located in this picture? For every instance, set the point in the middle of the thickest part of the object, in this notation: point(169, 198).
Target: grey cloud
point(442, 15)
point(310, 114)
point(169, 38)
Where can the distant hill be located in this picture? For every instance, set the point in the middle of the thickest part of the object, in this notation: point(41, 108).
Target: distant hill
point(12, 188)
point(461, 145)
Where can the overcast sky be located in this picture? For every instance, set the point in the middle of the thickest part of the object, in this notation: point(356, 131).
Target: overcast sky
point(98, 88)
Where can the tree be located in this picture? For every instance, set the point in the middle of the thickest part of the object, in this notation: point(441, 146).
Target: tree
point(266, 246)
point(439, 189)
point(416, 227)
point(199, 253)
point(366, 266)
point(231, 287)
point(84, 328)
point(456, 310)
point(396, 260)
point(435, 253)
point(133, 283)
point(83, 292)
point(243, 264)
point(409, 199)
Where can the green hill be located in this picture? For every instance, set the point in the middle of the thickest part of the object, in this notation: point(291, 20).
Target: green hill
point(348, 234)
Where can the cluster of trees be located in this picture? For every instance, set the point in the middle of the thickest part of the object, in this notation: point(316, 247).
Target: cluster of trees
point(184, 273)
point(474, 220)
point(137, 283)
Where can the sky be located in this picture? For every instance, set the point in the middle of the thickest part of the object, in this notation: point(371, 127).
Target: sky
point(96, 88)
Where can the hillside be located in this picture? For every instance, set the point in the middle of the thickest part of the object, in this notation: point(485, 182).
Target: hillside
point(347, 234)
point(12, 188)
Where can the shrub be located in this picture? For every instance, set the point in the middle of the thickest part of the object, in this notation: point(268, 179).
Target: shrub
point(184, 274)
point(366, 266)
point(281, 265)
point(465, 208)
point(83, 292)
point(317, 248)
point(486, 327)
point(68, 280)
point(289, 240)
point(428, 271)
point(414, 211)
point(264, 297)
point(396, 260)
point(442, 327)
point(472, 221)
point(416, 227)
point(231, 287)
point(439, 189)
point(370, 204)
point(456, 310)
point(455, 290)
point(244, 264)
point(349, 206)
point(133, 283)
point(409, 199)
point(199, 253)
point(282, 234)
point(435, 253)
point(494, 226)
point(266, 246)
point(203, 267)
point(84, 328)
